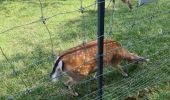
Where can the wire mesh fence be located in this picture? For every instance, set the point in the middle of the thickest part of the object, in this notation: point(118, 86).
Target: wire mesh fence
point(29, 48)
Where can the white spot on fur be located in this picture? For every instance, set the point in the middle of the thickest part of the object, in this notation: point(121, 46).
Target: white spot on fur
point(79, 70)
point(84, 73)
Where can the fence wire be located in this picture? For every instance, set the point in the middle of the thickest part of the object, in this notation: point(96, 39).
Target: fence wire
point(120, 89)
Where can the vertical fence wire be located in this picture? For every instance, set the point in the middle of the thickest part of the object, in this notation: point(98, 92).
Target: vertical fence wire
point(131, 26)
point(13, 68)
point(43, 19)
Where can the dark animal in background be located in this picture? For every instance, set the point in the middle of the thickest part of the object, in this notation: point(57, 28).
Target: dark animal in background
point(127, 2)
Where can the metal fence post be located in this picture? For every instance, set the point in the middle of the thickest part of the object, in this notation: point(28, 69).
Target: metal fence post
point(101, 12)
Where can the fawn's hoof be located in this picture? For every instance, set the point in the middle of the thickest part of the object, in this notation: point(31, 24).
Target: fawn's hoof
point(125, 75)
point(75, 94)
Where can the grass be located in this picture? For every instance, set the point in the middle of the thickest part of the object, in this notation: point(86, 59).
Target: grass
point(28, 48)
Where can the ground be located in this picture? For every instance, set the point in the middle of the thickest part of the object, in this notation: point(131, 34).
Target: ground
point(144, 30)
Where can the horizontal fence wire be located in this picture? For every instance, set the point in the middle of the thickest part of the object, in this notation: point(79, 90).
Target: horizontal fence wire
point(77, 10)
point(47, 18)
point(157, 53)
point(94, 78)
point(42, 19)
point(126, 65)
point(139, 74)
point(130, 24)
point(167, 48)
point(141, 85)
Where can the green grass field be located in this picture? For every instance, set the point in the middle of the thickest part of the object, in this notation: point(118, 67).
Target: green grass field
point(145, 30)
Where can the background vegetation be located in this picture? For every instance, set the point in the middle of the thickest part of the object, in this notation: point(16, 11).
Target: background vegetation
point(144, 30)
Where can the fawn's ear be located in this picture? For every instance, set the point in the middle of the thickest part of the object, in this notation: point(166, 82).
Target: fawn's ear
point(60, 66)
point(55, 66)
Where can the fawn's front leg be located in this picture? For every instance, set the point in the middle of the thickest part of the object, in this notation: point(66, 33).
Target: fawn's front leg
point(120, 70)
point(69, 85)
